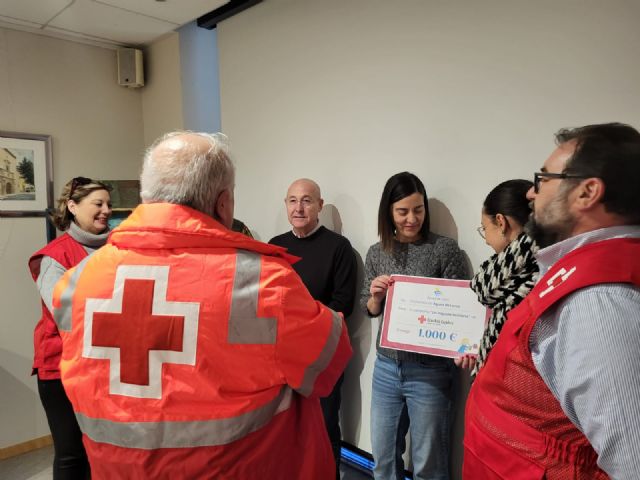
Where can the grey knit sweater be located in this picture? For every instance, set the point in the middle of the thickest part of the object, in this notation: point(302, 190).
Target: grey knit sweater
point(435, 256)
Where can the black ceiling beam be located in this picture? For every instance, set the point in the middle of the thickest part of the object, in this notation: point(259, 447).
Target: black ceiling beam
point(211, 19)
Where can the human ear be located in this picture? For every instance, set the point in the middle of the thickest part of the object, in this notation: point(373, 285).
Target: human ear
point(502, 222)
point(223, 210)
point(71, 206)
point(591, 192)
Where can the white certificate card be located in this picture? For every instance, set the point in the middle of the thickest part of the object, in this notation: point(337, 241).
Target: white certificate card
point(434, 316)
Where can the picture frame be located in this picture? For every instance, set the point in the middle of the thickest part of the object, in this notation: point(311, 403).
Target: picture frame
point(125, 194)
point(26, 166)
point(125, 197)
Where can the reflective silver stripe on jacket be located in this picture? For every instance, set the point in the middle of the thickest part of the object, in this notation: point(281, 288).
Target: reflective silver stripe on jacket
point(62, 314)
point(325, 356)
point(245, 326)
point(176, 434)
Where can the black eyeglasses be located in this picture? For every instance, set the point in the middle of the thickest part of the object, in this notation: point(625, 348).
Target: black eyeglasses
point(538, 176)
point(481, 231)
point(78, 182)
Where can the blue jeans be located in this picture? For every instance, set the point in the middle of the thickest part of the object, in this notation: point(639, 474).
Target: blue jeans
point(408, 395)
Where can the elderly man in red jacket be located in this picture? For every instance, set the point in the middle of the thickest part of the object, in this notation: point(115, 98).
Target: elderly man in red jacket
point(191, 351)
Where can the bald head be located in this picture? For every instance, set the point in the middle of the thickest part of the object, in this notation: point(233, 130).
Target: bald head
point(180, 148)
point(307, 185)
point(304, 203)
point(188, 168)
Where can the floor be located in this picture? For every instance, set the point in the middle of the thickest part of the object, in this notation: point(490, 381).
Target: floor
point(36, 465)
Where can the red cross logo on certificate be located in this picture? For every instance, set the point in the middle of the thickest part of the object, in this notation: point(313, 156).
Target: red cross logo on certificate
point(422, 319)
point(138, 330)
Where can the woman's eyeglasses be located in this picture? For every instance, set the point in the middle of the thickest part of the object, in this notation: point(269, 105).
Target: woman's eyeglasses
point(481, 232)
point(78, 182)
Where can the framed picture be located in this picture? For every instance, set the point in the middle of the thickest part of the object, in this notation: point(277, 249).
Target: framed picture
point(125, 196)
point(25, 174)
point(117, 217)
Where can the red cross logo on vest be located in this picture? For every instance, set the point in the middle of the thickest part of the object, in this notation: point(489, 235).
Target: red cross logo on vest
point(556, 280)
point(138, 331)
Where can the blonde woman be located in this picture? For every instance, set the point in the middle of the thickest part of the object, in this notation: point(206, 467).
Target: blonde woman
point(82, 213)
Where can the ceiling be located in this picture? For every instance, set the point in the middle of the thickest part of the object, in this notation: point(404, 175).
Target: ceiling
point(106, 23)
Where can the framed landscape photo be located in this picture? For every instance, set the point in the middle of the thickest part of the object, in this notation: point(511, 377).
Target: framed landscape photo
point(25, 174)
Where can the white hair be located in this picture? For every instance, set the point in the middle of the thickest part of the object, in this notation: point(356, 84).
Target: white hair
point(190, 174)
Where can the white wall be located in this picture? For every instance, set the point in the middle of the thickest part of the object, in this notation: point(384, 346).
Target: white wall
point(69, 91)
point(162, 93)
point(464, 94)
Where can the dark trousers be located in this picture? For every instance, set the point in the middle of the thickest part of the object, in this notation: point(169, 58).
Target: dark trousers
point(70, 460)
point(331, 411)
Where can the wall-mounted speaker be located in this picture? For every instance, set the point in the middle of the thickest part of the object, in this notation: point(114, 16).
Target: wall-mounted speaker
point(130, 70)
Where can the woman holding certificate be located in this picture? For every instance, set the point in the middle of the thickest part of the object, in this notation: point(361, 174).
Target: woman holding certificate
point(411, 391)
point(506, 278)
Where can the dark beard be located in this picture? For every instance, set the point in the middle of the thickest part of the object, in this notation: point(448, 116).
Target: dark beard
point(542, 236)
point(558, 227)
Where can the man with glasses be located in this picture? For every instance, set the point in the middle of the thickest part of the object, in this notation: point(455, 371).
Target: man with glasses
point(559, 395)
point(327, 268)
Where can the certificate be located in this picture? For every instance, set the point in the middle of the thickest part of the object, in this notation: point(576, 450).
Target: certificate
point(434, 316)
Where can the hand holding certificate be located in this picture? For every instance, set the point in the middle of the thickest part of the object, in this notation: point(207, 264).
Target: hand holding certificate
point(435, 316)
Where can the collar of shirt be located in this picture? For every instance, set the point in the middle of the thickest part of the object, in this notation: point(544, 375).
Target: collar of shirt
point(308, 234)
point(546, 257)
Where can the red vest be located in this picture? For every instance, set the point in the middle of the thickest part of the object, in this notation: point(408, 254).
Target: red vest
point(191, 351)
point(47, 344)
point(514, 427)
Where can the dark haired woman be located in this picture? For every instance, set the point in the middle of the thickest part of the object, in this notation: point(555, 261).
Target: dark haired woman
point(82, 213)
point(506, 278)
point(410, 390)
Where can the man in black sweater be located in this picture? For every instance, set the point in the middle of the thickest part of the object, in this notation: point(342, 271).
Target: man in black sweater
point(327, 268)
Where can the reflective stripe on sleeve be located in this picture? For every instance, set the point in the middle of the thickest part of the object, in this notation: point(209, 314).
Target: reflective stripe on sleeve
point(62, 314)
point(175, 434)
point(245, 327)
point(325, 356)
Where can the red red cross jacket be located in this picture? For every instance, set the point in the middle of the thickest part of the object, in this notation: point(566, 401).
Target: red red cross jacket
point(191, 351)
point(514, 427)
point(47, 344)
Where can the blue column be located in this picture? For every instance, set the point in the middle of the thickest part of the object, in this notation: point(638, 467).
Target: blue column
point(200, 80)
